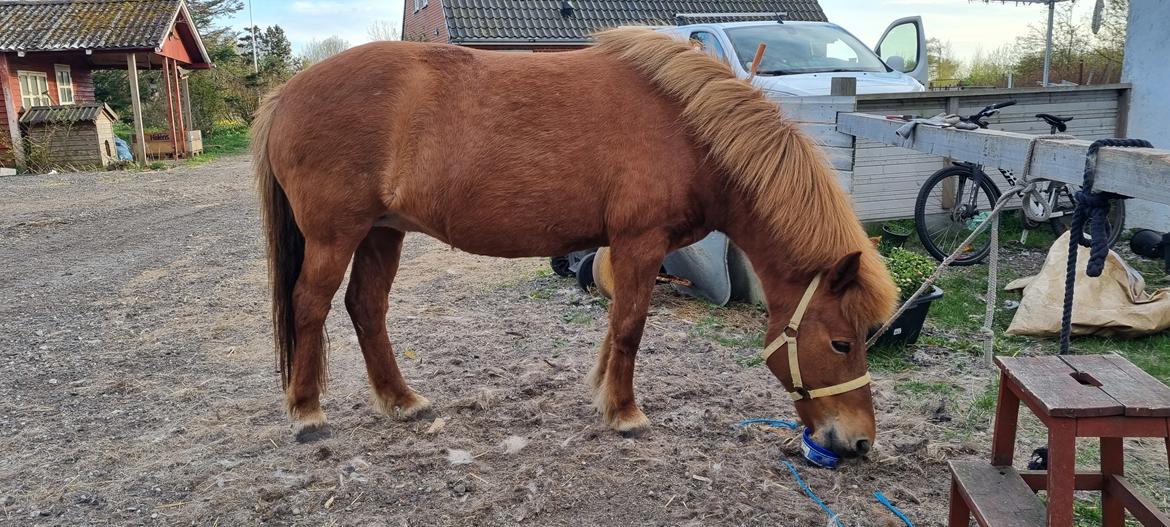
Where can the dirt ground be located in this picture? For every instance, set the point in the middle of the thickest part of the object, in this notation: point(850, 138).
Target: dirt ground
point(137, 386)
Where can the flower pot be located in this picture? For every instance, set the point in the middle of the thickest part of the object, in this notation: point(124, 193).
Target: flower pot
point(894, 236)
point(908, 326)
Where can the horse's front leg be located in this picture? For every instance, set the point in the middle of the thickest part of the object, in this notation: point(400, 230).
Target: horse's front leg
point(635, 265)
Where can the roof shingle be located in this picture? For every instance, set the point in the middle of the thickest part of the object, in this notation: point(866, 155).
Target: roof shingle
point(57, 25)
point(470, 21)
point(67, 114)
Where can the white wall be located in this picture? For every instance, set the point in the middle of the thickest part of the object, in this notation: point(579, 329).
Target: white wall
point(1148, 69)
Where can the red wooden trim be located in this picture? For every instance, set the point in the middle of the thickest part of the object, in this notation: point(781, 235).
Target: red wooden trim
point(1007, 414)
point(1112, 463)
point(959, 514)
point(1139, 506)
point(1062, 464)
point(1038, 480)
point(1121, 426)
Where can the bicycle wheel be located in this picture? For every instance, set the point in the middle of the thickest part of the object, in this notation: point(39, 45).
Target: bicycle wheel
point(1116, 216)
point(950, 205)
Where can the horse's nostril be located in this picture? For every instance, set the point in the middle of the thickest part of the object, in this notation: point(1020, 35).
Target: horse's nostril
point(862, 446)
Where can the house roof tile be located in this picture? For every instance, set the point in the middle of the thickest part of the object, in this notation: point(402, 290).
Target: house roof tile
point(56, 25)
point(66, 114)
point(471, 21)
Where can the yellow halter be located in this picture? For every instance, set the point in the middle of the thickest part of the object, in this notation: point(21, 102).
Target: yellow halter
point(798, 390)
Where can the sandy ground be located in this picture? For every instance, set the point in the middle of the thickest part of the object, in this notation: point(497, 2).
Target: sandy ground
point(137, 386)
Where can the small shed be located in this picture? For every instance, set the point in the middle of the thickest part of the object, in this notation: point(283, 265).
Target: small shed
point(78, 135)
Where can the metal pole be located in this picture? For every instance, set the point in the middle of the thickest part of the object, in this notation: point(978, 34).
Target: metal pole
point(1048, 43)
point(256, 64)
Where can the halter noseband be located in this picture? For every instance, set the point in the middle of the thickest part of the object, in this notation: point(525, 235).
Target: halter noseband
point(799, 392)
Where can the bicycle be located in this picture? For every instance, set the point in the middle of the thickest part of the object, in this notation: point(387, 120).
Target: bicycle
point(956, 199)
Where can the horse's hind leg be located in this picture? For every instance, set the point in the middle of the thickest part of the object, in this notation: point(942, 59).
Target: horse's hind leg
point(321, 274)
point(635, 264)
point(374, 265)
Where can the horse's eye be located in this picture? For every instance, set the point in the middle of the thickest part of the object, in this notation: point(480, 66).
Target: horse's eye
point(841, 346)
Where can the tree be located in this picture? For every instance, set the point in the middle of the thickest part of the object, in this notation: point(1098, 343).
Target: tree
point(941, 60)
point(382, 30)
point(317, 51)
point(206, 12)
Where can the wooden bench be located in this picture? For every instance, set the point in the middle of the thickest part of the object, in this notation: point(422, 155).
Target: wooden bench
point(1102, 396)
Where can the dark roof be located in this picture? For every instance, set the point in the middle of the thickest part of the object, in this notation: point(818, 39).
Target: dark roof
point(471, 21)
point(56, 25)
point(72, 113)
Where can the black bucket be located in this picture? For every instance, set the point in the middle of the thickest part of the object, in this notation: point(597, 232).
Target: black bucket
point(908, 326)
point(894, 236)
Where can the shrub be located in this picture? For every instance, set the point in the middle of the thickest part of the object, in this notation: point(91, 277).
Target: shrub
point(908, 269)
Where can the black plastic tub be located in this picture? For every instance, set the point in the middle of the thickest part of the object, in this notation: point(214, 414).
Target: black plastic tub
point(907, 327)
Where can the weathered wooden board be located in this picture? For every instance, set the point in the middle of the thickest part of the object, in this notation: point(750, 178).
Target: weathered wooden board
point(1142, 394)
point(1130, 172)
point(1049, 380)
point(998, 495)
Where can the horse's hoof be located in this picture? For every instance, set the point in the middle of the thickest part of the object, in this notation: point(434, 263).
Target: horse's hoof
point(631, 423)
point(405, 407)
point(310, 427)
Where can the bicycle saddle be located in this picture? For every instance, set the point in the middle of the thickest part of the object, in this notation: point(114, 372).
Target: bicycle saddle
point(1055, 121)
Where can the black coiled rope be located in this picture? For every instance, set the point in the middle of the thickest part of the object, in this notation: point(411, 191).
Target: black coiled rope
point(1092, 208)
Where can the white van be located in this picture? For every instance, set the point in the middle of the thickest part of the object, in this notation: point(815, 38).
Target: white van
point(801, 58)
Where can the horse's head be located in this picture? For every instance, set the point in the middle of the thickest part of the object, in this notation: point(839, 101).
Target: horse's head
point(819, 355)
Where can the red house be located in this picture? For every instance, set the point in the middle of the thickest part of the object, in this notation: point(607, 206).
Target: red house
point(49, 48)
point(550, 25)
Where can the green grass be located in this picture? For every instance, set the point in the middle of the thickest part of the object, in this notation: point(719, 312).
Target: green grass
point(223, 140)
point(919, 388)
point(578, 316)
point(709, 328)
point(889, 359)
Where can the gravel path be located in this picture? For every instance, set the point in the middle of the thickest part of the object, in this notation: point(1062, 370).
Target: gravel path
point(138, 387)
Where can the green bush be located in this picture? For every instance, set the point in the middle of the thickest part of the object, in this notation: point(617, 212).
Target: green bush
point(908, 269)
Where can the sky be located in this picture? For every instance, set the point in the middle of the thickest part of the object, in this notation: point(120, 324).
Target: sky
point(968, 25)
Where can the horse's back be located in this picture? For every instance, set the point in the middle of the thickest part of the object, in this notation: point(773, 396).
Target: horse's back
point(473, 146)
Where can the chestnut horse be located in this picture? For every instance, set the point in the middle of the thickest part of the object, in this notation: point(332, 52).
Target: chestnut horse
point(640, 143)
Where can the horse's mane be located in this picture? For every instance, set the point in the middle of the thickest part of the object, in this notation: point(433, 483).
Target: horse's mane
point(795, 191)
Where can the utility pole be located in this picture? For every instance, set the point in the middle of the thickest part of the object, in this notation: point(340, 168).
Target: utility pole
point(1048, 41)
point(256, 62)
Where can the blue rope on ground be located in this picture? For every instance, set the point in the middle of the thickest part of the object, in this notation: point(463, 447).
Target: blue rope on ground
point(774, 423)
point(809, 493)
point(882, 499)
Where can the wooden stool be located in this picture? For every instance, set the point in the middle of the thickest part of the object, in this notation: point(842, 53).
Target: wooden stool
point(1103, 396)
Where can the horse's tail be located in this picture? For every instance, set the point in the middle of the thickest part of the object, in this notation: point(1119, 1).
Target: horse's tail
point(286, 243)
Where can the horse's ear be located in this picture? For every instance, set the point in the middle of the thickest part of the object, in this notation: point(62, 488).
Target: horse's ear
point(844, 273)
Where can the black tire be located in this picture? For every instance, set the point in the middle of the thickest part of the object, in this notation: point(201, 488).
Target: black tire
point(941, 232)
point(585, 272)
point(1116, 219)
point(560, 266)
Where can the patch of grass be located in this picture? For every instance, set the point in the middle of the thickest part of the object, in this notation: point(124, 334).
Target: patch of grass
point(223, 141)
point(544, 292)
point(709, 328)
point(919, 388)
point(578, 316)
point(1148, 353)
point(750, 361)
point(889, 359)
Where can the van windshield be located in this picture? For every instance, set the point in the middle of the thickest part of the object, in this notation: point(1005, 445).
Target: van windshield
point(795, 48)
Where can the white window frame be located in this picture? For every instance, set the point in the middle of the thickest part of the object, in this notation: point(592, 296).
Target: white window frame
point(62, 89)
point(425, 3)
point(30, 100)
point(416, 5)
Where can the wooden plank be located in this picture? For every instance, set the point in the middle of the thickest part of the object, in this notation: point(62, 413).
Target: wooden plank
point(1138, 505)
point(826, 135)
point(843, 86)
point(1007, 419)
point(1048, 382)
point(1062, 466)
point(1038, 480)
point(1130, 172)
point(997, 495)
point(1140, 393)
point(814, 109)
point(1112, 463)
point(1121, 426)
point(136, 105)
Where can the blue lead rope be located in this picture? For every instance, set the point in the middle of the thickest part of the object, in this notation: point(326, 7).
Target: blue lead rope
point(882, 499)
point(774, 423)
point(810, 494)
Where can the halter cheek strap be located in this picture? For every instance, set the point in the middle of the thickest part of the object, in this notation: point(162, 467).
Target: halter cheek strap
point(788, 338)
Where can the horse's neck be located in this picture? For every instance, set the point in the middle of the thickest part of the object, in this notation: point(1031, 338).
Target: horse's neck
point(781, 283)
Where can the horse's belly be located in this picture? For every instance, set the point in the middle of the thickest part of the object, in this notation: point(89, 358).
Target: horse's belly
point(510, 237)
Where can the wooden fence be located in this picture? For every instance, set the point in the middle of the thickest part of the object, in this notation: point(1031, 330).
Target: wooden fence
point(884, 179)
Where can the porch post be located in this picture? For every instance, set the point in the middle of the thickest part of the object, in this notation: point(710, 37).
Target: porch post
point(136, 105)
point(187, 103)
point(10, 110)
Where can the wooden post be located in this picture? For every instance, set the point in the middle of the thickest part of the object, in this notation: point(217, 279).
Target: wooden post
point(136, 105)
point(171, 121)
point(10, 110)
point(843, 86)
point(182, 127)
point(190, 121)
point(1121, 127)
point(1112, 462)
